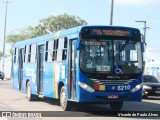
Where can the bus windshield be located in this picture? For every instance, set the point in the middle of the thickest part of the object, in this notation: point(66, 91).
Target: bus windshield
point(110, 56)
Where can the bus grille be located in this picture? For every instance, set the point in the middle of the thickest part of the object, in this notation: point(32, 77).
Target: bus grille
point(112, 82)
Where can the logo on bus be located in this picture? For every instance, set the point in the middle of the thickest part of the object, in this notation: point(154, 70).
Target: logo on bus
point(118, 69)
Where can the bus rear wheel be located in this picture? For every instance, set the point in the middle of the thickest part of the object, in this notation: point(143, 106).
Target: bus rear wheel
point(116, 106)
point(29, 95)
point(65, 105)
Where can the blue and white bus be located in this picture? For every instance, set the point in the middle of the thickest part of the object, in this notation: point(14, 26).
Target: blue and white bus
point(94, 64)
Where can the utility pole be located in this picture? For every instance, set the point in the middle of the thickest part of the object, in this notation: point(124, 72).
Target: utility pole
point(6, 3)
point(144, 38)
point(111, 15)
point(145, 28)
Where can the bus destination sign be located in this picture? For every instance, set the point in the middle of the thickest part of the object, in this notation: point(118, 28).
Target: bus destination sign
point(95, 43)
point(100, 32)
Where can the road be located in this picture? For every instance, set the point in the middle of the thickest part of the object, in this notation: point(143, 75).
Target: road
point(12, 100)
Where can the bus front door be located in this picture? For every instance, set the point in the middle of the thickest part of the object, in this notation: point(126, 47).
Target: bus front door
point(72, 71)
point(40, 69)
point(20, 75)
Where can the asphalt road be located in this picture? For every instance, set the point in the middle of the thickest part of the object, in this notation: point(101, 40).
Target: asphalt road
point(16, 102)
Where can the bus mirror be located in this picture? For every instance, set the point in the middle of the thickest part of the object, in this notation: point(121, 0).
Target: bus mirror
point(142, 38)
point(77, 44)
point(143, 48)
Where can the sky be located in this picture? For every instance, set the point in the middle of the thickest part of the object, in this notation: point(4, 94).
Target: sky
point(22, 13)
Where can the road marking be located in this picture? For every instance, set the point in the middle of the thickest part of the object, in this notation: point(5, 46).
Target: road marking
point(3, 105)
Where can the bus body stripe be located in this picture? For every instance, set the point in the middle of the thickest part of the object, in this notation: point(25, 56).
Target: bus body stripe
point(96, 86)
point(55, 81)
point(102, 87)
point(91, 83)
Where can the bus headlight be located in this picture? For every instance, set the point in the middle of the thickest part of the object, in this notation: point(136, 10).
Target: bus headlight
point(136, 88)
point(86, 87)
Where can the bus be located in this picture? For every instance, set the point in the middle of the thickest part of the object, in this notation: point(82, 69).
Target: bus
point(86, 64)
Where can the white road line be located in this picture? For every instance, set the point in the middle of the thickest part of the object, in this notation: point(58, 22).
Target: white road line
point(3, 105)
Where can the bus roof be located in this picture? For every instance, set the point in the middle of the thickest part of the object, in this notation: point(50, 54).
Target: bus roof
point(71, 32)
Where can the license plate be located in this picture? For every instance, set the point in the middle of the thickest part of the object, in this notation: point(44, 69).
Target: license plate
point(158, 92)
point(113, 97)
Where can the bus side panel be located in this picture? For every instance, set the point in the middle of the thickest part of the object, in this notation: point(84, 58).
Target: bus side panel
point(15, 76)
point(54, 73)
point(60, 75)
point(30, 72)
point(48, 80)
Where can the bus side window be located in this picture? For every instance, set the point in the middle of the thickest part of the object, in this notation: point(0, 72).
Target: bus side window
point(65, 42)
point(26, 54)
point(54, 50)
point(62, 49)
point(49, 50)
point(46, 55)
point(15, 55)
point(33, 53)
point(29, 54)
point(64, 55)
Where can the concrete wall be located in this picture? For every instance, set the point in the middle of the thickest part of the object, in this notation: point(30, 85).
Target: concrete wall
point(7, 66)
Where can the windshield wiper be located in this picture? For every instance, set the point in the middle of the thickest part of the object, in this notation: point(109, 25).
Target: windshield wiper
point(123, 46)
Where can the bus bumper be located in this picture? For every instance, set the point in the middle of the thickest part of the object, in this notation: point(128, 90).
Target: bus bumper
point(104, 96)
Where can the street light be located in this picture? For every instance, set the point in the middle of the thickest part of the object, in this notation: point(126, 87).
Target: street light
point(6, 2)
point(145, 22)
point(111, 15)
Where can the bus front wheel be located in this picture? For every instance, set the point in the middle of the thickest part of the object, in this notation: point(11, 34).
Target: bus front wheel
point(65, 105)
point(29, 95)
point(116, 106)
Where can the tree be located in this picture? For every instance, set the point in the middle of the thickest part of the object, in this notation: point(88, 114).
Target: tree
point(61, 22)
point(1, 53)
point(50, 23)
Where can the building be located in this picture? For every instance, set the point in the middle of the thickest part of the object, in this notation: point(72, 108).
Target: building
point(7, 62)
point(152, 62)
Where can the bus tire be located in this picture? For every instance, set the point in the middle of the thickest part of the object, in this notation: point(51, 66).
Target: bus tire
point(65, 105)
point(29, 94)
point(116, 106)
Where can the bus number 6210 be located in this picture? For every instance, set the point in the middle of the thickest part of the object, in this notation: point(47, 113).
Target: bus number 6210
point(123, 87)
